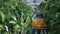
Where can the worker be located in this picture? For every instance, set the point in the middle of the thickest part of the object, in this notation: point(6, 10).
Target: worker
point(37, 21)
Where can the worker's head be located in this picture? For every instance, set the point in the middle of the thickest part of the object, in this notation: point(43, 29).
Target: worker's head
point(37, 9)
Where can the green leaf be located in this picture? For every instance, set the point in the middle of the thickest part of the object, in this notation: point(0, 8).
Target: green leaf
point(12, 22)
point(17, 28)
point(0, 0)
point(2, 15)
point(13, 17)
point(1, 27)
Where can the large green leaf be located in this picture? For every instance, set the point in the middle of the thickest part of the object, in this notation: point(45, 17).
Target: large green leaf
point(2, 15)
point(12, 22)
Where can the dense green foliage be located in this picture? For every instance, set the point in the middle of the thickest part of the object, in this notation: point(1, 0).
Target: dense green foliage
point(14, 15)
point(51, 9)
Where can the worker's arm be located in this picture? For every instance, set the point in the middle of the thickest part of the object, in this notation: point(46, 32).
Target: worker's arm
point(33, 14)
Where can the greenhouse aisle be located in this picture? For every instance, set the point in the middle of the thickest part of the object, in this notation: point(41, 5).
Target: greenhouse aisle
point(15, 15)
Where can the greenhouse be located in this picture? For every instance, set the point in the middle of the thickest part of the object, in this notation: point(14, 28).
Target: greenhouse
point(29, 16)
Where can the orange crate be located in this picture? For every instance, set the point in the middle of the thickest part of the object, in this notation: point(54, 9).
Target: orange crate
point(38, 23)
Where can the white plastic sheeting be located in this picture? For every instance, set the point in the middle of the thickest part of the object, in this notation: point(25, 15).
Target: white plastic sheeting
point(32, 4)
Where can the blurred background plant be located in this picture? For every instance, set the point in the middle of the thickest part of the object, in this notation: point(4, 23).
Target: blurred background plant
point(51, 9)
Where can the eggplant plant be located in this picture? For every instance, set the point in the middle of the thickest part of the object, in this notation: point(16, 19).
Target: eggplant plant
point(14, 15)
point(50, 8)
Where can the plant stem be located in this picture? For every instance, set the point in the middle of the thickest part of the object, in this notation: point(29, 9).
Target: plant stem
point(0, 32)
